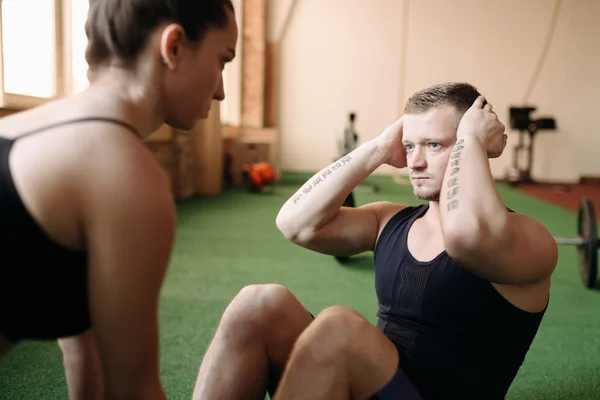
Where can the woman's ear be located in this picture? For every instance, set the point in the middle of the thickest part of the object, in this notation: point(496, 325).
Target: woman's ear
point(171, 41)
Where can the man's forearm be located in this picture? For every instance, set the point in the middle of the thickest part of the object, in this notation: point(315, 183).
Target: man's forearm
point(470, 205)
point(321, 197)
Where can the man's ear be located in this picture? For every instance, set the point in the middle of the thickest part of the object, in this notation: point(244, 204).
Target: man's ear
point(171, 43)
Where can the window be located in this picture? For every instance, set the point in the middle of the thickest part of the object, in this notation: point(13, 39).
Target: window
point(230, 108)
point(28, 50)
point(79, 10)
point(42, 54)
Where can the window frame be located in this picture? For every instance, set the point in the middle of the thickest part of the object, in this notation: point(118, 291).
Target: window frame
point(62, 81)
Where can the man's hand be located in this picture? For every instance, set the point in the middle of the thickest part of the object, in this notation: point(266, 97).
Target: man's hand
point(314, 217)
point(389, 143)
point(482, 123)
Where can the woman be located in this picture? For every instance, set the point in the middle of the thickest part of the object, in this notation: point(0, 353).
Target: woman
point(87, 217)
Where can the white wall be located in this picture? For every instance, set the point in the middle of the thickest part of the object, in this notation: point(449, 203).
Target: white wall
point(337, 56)
point(278, 13)
point(347, 55)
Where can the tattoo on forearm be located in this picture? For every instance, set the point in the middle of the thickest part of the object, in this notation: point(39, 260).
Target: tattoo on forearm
point(453, 186)
point(452, 205)
point(320, 178)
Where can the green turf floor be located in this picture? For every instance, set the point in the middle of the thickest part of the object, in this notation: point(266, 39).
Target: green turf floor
point(230, 241)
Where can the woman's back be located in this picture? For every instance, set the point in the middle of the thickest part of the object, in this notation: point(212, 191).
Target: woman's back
point(46, 165)
point(46, 149)
point(89, 219)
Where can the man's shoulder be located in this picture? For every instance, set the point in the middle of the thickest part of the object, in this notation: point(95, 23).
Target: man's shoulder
point(388, 211)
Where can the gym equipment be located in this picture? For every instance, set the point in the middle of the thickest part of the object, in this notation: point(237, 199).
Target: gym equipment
point(520, 119)
point(586, 243)
point(349, 140)
point(348, 143)
point(349, 202)
point(258, 175)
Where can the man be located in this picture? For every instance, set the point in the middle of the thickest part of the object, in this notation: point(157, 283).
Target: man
point(462, 282)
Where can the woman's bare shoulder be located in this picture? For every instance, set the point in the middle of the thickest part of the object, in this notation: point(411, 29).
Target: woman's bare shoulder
point(85, 168)
point(111, 155)
point(83, 143)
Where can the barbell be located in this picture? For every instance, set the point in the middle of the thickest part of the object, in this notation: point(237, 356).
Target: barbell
point(586, 243)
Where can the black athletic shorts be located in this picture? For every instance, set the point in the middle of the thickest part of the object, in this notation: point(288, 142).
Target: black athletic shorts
point(400, 387)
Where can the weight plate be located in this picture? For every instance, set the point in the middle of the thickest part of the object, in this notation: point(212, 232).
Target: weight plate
point(588, 251)
point(349, 202)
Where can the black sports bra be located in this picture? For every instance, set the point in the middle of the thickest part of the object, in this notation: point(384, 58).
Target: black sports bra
point(43, 285)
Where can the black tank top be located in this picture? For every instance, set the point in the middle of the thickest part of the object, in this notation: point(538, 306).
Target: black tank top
point(43, 285)
point(458, 338)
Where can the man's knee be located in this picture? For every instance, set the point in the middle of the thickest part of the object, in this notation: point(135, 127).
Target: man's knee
point(341, 330)
point(342, 320)
point(343, 339)
point(263, 305)
point(263, 299)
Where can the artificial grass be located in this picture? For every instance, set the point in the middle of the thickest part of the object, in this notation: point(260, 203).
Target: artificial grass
point(227, 242)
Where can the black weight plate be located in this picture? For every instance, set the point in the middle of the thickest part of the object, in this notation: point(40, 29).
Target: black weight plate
point(342, 259)
point(349, 202)
point(588, 251)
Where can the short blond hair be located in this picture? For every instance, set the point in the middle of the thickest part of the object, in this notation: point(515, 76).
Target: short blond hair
point(458, 95)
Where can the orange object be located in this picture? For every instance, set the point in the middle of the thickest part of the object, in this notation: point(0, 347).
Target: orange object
point(259, 175)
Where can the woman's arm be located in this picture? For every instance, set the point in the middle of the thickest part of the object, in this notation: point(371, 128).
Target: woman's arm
point(82, 367)
point(129, 224)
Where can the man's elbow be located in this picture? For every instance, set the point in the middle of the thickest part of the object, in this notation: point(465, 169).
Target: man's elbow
point(291, 231)
point(459, 247)
point(461, 239)
point(285, 226)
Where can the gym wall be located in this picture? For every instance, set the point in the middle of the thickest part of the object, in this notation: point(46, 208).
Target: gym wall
point(369, 56)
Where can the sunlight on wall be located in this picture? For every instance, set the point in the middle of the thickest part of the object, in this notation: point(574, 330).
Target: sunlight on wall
point(28, 47)
point(79, 10)
point(230, 108)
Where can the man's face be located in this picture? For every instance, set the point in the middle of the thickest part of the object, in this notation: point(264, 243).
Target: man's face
point(429, 138)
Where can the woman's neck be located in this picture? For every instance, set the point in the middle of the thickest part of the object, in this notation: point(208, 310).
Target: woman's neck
point(133, 94)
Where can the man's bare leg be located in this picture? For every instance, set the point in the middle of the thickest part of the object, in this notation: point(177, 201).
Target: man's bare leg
point(252, 344)
point(82, 367)
point(339, 356)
